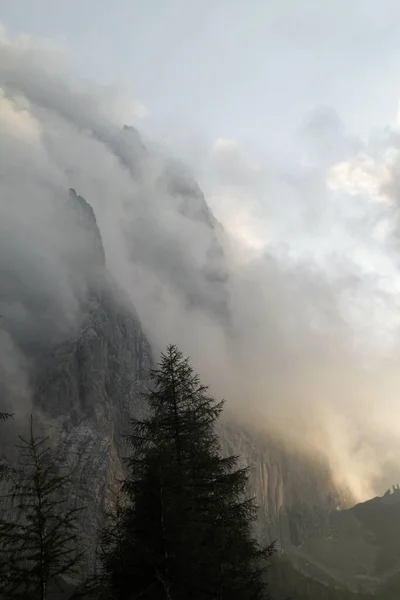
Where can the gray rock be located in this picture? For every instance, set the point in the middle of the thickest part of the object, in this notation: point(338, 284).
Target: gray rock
point(87, 385)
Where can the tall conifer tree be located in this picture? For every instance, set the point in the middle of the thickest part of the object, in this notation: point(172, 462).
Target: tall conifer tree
point(187, 524)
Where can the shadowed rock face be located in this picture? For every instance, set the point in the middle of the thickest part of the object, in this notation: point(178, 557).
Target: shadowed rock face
point(86, 220)
point(86, 386)
point(210, 292)
point(86, 390)
point(295, 493)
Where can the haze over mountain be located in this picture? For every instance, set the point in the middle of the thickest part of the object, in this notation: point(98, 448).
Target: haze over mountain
point(295, 320)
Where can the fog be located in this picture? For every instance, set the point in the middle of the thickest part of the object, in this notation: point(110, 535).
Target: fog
point(298, 324)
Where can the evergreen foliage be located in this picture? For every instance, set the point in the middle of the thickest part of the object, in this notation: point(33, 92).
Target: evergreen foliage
point(186, 529)
point(4, 416)
point(38, 537)
point(5, 467)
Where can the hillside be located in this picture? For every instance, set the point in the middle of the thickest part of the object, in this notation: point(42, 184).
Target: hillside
point(359, 549)
point(85, 376)
point(287, 583)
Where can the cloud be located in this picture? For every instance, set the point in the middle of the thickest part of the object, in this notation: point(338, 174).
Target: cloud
point(224, 145)
point(15, 119)
point(292, 315)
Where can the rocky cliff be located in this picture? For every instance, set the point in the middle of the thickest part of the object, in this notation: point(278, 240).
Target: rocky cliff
point(86, 381)
point(295, 492)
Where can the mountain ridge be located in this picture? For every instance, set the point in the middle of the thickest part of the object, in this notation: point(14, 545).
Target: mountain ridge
point(86, 385)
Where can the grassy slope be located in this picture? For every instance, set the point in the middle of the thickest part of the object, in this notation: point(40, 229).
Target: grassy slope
point(361, 550)
point(285, 582)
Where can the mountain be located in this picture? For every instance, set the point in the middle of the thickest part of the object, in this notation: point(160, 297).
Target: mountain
point(85, 366)
point(359, 548)
point(295, 492)
point(357, 557)
point(285, 582)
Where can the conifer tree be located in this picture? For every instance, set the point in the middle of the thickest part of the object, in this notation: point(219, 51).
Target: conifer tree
point(187, 524)
point(4, 416)
point(38, 534)
point(5, 467)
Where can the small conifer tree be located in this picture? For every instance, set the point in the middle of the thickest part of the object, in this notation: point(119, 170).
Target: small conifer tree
point(5, 467)
point(38, 532)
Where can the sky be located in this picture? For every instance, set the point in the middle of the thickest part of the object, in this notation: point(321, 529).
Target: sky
point(249, 70)
point(287, 113)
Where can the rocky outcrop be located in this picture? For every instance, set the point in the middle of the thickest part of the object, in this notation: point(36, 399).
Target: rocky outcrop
point(295, 492)
point(86, 222)
point(88, 384)
point(86, 390)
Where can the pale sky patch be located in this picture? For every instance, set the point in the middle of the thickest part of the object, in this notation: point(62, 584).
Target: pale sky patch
point(224, 145)
point(361, 175)
point(16, 120)
point(233, 209)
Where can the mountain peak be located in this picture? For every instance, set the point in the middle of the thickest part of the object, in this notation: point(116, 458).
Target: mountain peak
point(86, 218)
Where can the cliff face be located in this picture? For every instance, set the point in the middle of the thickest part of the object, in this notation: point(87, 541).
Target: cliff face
point(295, 493)
point(85, 220)
point(86, 390)
point(87, 382)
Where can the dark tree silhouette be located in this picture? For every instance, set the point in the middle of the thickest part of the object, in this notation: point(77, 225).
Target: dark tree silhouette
point(5, 468)
point(38, 533)
point(186, 530)
point(5, 416)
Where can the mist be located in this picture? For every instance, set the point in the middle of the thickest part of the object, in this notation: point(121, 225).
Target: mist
point(296, 322)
